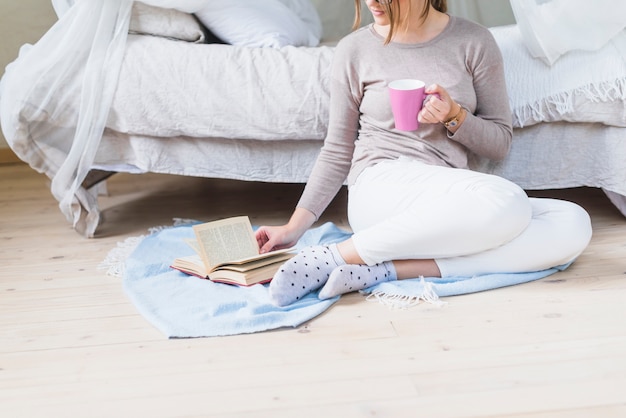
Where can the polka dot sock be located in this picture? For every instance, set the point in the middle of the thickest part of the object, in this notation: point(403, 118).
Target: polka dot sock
point(353, 277)
point(303, 273)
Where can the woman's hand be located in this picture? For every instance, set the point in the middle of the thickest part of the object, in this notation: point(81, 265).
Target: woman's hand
point(437, 109)
point(271, 238)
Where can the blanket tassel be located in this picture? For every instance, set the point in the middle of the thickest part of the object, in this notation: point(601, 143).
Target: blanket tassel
point(399, 301)
point(116, 258)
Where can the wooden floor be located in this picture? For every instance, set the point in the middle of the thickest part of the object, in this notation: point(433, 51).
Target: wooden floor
point(72, 345)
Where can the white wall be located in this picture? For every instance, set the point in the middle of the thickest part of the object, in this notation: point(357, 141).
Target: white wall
point(486, 12)
point(21, 21)
point(338, 14)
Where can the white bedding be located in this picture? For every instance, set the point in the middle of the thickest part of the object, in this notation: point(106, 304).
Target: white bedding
point(583, 86)
point(168, 88)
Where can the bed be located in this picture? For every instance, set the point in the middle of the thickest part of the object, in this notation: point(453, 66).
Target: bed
point(167, 103)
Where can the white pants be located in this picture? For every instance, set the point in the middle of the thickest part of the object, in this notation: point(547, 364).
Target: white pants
point(470, 223)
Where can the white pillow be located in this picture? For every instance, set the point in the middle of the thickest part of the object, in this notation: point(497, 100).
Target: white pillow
point(167, 23)
point(552, 28)
point(267, 23)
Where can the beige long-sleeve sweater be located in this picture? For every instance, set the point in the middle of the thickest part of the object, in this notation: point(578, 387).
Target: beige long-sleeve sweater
point(464, 59)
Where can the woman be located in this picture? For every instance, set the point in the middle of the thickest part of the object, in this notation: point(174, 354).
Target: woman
point(414, 206)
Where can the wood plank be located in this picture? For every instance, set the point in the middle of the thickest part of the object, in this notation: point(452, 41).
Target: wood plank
point(7, 156)
point(73, 345)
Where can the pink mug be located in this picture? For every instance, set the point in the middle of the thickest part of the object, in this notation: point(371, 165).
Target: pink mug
point(407, 99)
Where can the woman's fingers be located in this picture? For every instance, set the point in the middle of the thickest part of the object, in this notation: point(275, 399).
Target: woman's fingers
point(437, 107)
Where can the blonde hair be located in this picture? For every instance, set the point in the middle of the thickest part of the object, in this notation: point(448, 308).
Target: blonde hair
point(392, 9)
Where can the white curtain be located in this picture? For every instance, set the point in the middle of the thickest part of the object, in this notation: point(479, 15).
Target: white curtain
point(75, 65)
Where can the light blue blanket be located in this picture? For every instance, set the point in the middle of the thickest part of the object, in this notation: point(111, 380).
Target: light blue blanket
point(185, 306)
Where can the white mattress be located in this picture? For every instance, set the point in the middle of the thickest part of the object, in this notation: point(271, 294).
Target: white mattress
point(285, 161)
point(543, 156)
point(563, 154)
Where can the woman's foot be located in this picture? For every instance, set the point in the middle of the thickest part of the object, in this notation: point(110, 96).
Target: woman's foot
point(353, 277)
point(305, 272)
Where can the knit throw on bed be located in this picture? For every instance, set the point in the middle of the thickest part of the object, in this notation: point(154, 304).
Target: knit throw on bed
point(542, 93)
point(183, 306)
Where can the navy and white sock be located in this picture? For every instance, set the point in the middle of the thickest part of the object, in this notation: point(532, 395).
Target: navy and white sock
point(303, 273)
point(353, 277)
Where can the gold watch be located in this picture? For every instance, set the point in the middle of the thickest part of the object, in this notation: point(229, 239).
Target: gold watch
point(454, 120)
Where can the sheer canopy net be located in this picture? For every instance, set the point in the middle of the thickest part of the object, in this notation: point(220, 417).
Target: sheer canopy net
point(63, 87)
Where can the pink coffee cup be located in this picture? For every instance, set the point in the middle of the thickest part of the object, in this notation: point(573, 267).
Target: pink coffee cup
point(407, 99)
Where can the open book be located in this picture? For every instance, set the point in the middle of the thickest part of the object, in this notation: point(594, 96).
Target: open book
point(227, 252)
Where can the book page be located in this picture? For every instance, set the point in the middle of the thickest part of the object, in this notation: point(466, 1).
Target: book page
point(226, 240)
point(193, 244)
point(256, 262)
point(192, 264)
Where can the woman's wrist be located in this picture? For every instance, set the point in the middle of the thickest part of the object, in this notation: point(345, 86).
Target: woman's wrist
point(454, 118)
point(300, 221)
point(453, 114)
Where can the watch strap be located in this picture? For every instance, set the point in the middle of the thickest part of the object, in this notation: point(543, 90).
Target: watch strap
point(454, 120)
